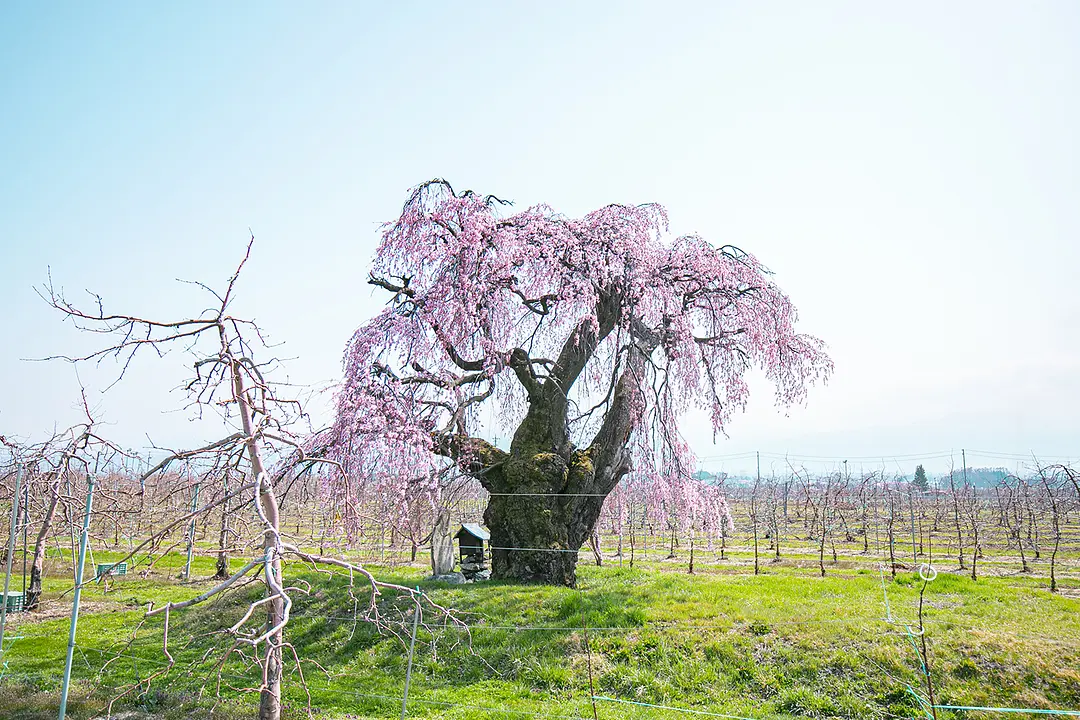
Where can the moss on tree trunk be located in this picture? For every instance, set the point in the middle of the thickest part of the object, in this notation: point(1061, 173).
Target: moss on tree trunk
point(542, 510)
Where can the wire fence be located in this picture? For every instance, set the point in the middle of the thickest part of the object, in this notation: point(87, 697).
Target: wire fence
point(993, 532)
point(90, 673)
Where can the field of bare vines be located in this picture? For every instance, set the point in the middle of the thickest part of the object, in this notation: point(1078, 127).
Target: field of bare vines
point(184, 534)
point(1025, 524)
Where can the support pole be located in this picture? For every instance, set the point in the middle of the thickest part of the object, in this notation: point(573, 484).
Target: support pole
point(412, 645)
point(191, 534)
point(753, 512)
point(75, 600)
point(911, 508)
point(10, 552)
point(71, 523)
point(26, 525)
point(892, 534)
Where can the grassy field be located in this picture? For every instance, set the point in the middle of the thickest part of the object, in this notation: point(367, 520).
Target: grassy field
point(782, 644)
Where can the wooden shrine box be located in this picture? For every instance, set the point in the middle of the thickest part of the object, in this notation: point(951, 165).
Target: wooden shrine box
point(471, 538)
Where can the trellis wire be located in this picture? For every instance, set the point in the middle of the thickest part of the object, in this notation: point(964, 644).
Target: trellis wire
point(687, 711)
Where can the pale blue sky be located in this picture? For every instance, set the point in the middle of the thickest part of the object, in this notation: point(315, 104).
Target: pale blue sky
point(911, 173)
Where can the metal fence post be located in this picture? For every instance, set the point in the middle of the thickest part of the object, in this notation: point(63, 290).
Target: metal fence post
point(25, 526)
point(412, 645)
point(911, 508)
point(75, 600)
point(191, 534)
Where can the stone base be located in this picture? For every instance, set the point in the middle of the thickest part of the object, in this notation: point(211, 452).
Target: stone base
point(454, 578)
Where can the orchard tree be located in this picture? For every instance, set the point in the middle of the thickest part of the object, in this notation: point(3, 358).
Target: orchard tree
point(266, 445)
point(591, 336)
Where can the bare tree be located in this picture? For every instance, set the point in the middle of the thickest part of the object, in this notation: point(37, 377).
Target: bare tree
point(263, 445)
point(1013, 515)
point(889, 527)
point(1053, 480)
point(865, 494)
point(972, 508)
point(955, 495)
point(51, 466)
point(775, 517)
point(819, 511)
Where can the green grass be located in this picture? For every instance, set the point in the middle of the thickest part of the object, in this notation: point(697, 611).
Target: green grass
point(782, 644)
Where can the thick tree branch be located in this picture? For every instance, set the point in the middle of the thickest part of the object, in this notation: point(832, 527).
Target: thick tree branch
point(608, 449)
point(473, 455)
point(521, 364)
point(582, 344)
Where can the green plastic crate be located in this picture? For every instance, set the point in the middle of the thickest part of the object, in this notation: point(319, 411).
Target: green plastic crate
point(111, 569)
point(14, 602)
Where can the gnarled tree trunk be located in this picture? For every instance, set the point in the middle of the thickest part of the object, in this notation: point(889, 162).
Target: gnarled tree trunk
point(270, 690)
point(546, 494)
point(537, 531)
point(33, 590)
point(221, 566)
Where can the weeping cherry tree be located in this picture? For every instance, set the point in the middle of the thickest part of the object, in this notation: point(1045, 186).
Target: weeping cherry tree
point(590, 336)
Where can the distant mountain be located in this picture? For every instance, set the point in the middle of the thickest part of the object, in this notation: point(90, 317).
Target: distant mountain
point(723, 478)
point(979, 477)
